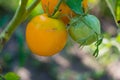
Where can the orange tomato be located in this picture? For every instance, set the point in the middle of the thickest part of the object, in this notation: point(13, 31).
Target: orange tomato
point(85, 4)
point(46, 36)
point(65, 10)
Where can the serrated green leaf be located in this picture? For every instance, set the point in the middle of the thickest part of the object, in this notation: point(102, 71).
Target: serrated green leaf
point(114, 6)
point(11, 76)
point(75, 5)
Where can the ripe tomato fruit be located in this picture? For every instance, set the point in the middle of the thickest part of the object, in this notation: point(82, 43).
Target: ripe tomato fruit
point(84, 30)
point(46, 36)
point(65, 10)
point(85, 4)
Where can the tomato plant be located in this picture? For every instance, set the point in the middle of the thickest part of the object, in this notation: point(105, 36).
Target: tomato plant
point(46, 36)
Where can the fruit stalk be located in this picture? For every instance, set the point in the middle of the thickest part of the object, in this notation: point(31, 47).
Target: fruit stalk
point(57, 7)
point(20, 15)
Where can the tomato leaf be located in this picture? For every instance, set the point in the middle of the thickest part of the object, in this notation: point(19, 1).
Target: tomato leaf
point(75, 5)
point(114, 6)
point(11, 76)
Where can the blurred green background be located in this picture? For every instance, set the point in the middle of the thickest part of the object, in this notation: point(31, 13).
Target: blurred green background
point(72, 63)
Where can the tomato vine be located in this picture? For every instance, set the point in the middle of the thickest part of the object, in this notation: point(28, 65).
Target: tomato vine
point(23, 11)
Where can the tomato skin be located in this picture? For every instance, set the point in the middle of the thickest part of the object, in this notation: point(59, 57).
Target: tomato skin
point(46, 36)
point(65, 10)
point(81, 32)
point(85, 4)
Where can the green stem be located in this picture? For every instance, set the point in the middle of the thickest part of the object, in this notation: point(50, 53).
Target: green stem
point(7, 32)
point(16, 20)
point(20, 15)
point(57, 7)
point(31, 7)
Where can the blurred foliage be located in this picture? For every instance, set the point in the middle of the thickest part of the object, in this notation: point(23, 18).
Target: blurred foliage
point(11, 76)
point(7, 6)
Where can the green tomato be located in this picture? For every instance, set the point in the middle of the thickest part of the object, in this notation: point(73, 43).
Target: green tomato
point(84, 29)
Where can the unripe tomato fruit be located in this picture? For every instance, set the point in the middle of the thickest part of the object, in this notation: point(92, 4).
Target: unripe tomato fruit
point(46, 36)
point(65, 10)
point(83, 30)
